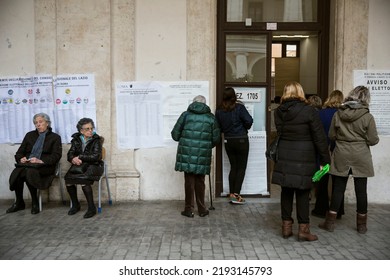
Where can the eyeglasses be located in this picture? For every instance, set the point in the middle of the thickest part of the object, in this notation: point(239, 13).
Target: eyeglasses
point(88, 128)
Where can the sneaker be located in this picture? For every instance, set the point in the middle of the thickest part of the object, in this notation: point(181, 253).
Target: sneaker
point(239, 200)
point(232, 198)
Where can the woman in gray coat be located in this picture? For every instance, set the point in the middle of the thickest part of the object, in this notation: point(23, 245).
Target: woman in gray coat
point(354, 131)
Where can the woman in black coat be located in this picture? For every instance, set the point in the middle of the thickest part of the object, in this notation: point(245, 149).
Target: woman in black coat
point(85, 154)
point(36, 161)
point(302, 138)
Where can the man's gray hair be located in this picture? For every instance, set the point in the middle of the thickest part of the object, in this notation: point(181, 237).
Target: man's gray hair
point(200, 98)
point(44, 116)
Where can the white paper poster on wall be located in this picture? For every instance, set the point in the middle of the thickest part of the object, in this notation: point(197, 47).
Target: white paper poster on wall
point(139, 117)
point(255, 181)
point(177, 96)
point(20, 99)
point(74, 97)
point(378, 82)
point(147, 111)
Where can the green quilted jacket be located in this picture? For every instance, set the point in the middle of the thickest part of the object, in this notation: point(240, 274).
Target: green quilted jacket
point(197, 132)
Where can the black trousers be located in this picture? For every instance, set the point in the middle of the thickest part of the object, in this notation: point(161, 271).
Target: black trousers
point(237, 150)
point(19, 186)
point(322, 197)
point(302, 204)
point(194, 184)
point(340, 184)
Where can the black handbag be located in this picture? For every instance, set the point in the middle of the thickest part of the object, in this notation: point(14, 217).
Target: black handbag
point(272, 151)
point(79, 169)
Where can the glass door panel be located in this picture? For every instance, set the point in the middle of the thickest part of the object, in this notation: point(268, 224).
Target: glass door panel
point(246, 58)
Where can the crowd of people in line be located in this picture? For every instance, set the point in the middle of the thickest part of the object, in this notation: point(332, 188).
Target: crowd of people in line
point(339, 132)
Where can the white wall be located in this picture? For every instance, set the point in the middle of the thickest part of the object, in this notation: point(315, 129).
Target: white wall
point(17, 37)
point(17, 57)
point(378, 58)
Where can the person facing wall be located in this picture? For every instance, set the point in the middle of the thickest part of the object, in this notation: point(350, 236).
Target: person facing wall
point(197, 132)
point(235, 121)
point(353, 129)
point(302, 143)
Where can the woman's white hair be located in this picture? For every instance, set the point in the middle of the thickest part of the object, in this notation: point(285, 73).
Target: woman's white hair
point(200, 98)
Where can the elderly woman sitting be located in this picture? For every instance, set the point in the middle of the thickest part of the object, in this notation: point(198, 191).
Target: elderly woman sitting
point(36, 161)
point(85, 154)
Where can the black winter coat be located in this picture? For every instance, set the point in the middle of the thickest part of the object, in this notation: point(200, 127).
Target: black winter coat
point(42, 176)
point(303, 142)
point(92, 155)
point(234, 123)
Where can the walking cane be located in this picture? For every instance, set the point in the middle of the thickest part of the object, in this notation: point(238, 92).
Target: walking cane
point(211, 195)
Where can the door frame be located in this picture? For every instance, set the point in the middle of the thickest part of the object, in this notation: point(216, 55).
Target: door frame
point(260, 28)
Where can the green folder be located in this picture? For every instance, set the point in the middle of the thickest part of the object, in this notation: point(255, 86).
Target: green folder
point(318, 175)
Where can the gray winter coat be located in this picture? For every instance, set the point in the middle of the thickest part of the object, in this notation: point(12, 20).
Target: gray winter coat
point(354, 130)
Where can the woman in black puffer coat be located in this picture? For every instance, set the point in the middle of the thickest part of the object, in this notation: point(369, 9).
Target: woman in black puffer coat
point(85, 154)
point(302, 139)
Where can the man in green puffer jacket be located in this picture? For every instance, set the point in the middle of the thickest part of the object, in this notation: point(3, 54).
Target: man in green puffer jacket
point(197, 132)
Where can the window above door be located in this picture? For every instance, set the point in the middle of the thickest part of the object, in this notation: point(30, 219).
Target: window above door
point(272, 10)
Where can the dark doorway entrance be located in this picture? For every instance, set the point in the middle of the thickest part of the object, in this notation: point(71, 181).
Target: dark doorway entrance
point(261, 44)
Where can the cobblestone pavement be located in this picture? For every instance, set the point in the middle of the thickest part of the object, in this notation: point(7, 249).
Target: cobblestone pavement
point(155, 230)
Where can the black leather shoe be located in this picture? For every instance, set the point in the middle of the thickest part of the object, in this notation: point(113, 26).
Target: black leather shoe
point(90, 213)
point(35, 209)
point(16, 207)
point(74, 210)
point(188, 214)
point(204, 214)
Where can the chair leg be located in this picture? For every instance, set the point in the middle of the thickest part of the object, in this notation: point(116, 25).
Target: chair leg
point(100, 196)
point(108, 190)
point(40, 200)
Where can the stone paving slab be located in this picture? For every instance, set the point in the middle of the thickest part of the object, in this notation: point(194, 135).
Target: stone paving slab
point(155, 230)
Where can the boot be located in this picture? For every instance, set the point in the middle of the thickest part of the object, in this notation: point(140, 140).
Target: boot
point(329, 222)
point(73, 197)
point(361, 223)
point(34, 200)
point(91, 205)
point(287, 228)
point(304, 233)
point(19, 202)
point(16, 206)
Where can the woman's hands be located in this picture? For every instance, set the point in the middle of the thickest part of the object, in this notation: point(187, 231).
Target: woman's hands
point(32, 160)
point(76, 161)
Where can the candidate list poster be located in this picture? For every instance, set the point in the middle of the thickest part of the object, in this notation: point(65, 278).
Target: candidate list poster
point(378, 82)
point(177, 96)
point(139, 116)
point(20, 99)
point(74, 97)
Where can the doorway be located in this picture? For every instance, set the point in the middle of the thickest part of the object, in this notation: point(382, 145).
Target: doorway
point(262, 44)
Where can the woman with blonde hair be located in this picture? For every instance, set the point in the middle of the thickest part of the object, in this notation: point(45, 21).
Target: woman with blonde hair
point(302, 138)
